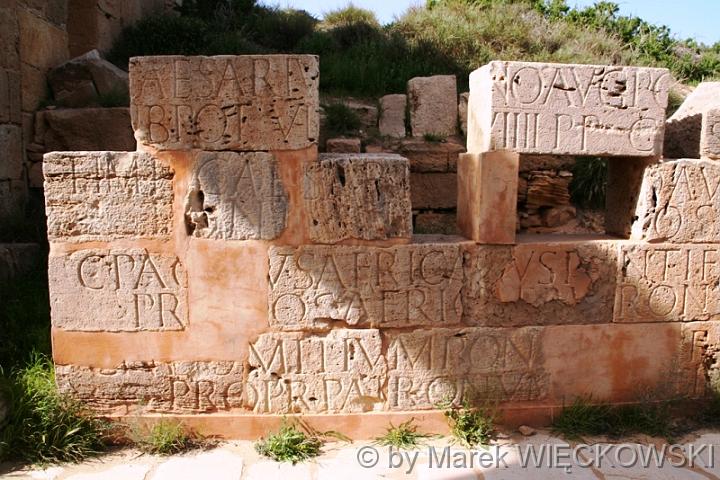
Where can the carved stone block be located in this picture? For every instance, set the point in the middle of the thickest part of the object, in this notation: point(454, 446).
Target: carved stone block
point(358, 196)
point(567, 109)
point(679, 203)
point(236, 196)
point(540, 283)
point(249, 102)
point(410, 285)
point(177, 387)
point(117, 290)
point(667, 283)
point(343, 371)
point(433, 367)
point(710, 135)
point(107, 195)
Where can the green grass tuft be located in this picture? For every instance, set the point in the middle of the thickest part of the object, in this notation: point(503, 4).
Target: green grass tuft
point(471, 426)
point(166, 437)
point(403, 436)
point(44, 426)
point(293, 443)
point(586, 418)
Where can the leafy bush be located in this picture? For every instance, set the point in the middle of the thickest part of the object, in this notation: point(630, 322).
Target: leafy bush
point(341, 119)
point(349, 15)
point(44, 426)
point(470, 426)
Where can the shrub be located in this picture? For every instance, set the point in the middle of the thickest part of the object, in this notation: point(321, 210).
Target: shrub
point(341, 119)
point(165, 437)
point(292, 443)
point(403, 436)
point(470, 426)
point(349, 15)
point(44, 426)
point(589, 182)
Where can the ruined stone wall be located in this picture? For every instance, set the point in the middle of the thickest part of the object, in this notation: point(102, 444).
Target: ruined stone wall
point(226, 270)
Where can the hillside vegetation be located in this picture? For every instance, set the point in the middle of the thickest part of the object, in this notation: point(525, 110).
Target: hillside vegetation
point(361, 57)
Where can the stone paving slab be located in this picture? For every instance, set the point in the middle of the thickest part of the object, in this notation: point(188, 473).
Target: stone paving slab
point(438, 458)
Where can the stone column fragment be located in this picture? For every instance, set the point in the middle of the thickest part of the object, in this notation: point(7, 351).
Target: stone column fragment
point(247, 103)
point(487, 196)
point(549, 108)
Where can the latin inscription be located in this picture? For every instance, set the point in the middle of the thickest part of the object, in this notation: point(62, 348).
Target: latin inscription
point(428, 368)
point(668, 283)
point(568, 109)
point(314, 286)
point(117, 290)
point(679, 203)
point(177, 387)
point(236, 196)
point(107, 195)
point(252, 102)
point(710, 134)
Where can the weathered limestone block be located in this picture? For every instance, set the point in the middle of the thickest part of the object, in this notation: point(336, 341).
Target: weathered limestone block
point(392, 115)
point(343, 371)
point(433, 190)
point(433, 105)
point(463, 111)
point(567, 109)
point(312, 287)
point(117, 290)
point(431, 156)
point(431, 367)
point(679, 203)
point(107, 195)
point(251, 102)
point(10, 108)
point(540, 283)
point(177, 387)
point(83, 80)
point(11, 152)
point(18, 259)
point(88, 129)
point(683, 128)
point(667, 283)
point(236, 196)
point(710, 135)
point(487, 196)
point(625, 178)
point(343, 145)
point(700, 360)
point(357, 196)
point(438, 223)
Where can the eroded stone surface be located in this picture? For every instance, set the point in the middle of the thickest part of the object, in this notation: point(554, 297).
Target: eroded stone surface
point(236, 196)
point(683, 128)
point(679, 203)
point(417, 284)
point(177, 387)
point(667, 283)
point(539, 284)
point(251, 102)
point(117, 290)
point(363, 196)
point(433, 105)
point(710, 135)
point(392, 115)
point(107, 195)
point(429, 367)
point(343, 371)
point(567, 109)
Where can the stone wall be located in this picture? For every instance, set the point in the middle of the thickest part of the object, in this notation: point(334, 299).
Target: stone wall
point(226, 270)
